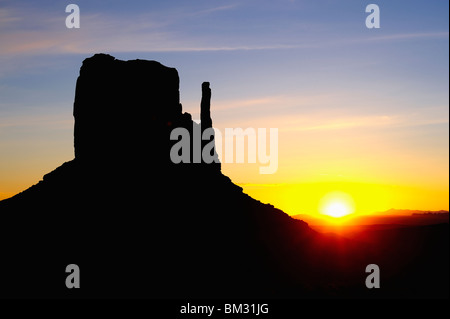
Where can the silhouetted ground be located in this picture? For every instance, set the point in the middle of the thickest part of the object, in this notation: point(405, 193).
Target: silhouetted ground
point(138, 225)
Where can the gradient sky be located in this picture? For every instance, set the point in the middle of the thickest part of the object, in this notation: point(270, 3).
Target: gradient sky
point(362, 111)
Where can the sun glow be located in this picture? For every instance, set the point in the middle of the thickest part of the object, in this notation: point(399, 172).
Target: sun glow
point(337, 204)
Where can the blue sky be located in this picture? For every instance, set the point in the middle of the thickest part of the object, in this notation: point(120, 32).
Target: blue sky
point(310, 68)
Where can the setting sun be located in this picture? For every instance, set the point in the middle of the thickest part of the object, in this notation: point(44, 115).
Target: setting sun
point(336, 204)
point(337, 209)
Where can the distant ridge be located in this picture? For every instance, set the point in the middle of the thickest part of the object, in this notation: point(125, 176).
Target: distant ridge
point(394, 211)
point(392, 216)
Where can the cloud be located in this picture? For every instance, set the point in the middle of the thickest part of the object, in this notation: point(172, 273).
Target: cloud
point(216, 9)
point(47, 121)
point(51, 116)
point(398, 120)
point(98, 32)
point(8, 17)
point(56, 42)
point(225, 105)
point(37, 31)
point(324, 112)
point(409, 36)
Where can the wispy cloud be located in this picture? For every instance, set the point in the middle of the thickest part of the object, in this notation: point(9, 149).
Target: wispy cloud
point(216, 9)
point(319, 123)
point(48, 120)
point(8, 17)
point(409, 36)
point(36, 31)
point(278, 102)
point(97, 32)
point(54, 42)
point(325, 112)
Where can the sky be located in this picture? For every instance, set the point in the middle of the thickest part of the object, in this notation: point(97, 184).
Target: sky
point(360, 111)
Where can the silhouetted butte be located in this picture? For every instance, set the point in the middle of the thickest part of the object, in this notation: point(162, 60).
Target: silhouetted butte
point(139, 225)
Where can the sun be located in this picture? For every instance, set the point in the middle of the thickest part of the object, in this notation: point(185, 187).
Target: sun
point(337, 204)
point(336, 209)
